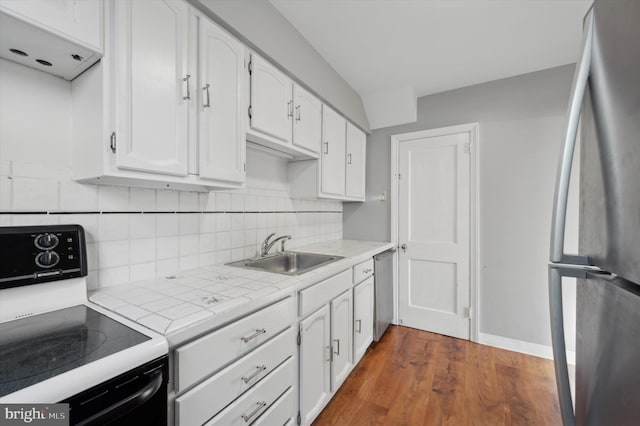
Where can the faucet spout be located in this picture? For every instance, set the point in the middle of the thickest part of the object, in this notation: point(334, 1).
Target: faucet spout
point(266, 245)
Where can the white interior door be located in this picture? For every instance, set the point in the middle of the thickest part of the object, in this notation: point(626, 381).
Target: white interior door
point(433, 223)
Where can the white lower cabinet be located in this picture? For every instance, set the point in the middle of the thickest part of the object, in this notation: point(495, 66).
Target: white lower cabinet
point(250, 406)
point(208, 398)
point(341, 332)
point(326, 345)
point(234, 374)
point(315, 364)
point(362, 318)
point(281, 412)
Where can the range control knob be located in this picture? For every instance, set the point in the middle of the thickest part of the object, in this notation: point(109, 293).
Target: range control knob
point(46, 241)
point(47, 259)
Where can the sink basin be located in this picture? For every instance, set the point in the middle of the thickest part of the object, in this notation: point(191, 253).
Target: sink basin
point(287, 263)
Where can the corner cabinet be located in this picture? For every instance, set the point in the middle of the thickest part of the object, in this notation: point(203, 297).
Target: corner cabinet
point(340, 172)
point(148, 115)
point(282, 115)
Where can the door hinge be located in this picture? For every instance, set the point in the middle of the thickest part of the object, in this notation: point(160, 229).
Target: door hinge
point(250, 66)
point(249, 111)
point(299, 418)
point(112, 143)
point(467, 147)
point(244, 167)
point(299, 338)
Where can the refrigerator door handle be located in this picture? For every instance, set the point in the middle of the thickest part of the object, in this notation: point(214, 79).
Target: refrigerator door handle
point(578, 90)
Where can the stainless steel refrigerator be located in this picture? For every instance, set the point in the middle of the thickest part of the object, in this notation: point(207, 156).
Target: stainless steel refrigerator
point(605, 107)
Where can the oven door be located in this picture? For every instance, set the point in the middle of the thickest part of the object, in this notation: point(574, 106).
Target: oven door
point(137, 397)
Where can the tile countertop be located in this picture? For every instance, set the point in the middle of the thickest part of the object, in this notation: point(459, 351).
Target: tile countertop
point(194, 302)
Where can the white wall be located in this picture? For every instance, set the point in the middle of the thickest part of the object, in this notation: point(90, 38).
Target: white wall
point(135, 233)
point(521, 129)
point(263, 28)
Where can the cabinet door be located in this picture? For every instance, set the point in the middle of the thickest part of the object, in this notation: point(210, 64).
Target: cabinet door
point(151, 56)
point(315, 375)
point(78, 20)
point(222, 141)
point(332, 159)
point(341, 332)
point(307, 124)
point(362, 318)
point(356, 160)
point(271, 100)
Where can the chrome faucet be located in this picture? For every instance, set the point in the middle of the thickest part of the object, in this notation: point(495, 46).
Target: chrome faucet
point(266, 245)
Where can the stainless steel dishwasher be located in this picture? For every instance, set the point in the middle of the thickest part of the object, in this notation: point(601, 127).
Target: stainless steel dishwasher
point(383, 273)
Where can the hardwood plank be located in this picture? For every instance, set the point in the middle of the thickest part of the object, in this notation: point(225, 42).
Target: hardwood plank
point(412, 377)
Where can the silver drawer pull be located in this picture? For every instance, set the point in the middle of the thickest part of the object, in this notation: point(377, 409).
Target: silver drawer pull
point(337, 346)
point(366, 271)
point(359, 330)
point(260, 405)
point(259, 370)
point(258, 332)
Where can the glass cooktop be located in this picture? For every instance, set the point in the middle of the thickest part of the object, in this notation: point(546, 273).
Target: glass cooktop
point(36, 348)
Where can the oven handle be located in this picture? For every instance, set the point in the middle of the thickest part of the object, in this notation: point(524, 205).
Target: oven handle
point(129, 403)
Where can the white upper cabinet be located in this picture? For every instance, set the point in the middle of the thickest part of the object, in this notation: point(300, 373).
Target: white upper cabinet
point(271, 100)
point(77, 20)
point(151, 85)
point(356, 160)
point(165, 106)
point(282, 115)
point(332, 158)
point(221, 138)
point(307, 122)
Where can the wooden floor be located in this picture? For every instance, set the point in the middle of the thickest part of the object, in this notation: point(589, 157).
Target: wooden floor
point(412, 377)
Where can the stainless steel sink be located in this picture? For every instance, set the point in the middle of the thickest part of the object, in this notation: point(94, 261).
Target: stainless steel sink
point(287, 263)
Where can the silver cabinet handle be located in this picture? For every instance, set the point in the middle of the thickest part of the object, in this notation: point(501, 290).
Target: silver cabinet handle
point(186, 80)
point(366, 271)
point(359, 322)
point(337, 346)
point(259, 369)
point(298, 113)
point(580, 80)
point(206, 90)
point(259, 406)
point(326, 148)
point(330, 347)
point(290, 109)
point(258, 332)
point(348, 158)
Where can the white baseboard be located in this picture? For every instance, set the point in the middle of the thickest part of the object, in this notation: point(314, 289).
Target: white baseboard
point(528, 348)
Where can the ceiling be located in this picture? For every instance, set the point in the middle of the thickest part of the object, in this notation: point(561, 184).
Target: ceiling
point(437, 45)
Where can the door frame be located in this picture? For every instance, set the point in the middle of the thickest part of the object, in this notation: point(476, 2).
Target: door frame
point(474, 138)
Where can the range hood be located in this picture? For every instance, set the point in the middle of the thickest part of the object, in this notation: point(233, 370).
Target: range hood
point(37, 48)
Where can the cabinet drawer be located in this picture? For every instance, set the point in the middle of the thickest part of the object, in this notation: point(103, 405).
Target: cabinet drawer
point(252, 404)
point(362, 271)
point(208, 398)
point(281, 412)
point(206, 355)
point(321, 293)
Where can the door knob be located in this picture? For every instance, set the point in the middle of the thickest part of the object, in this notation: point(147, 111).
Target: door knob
point(404, 247)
